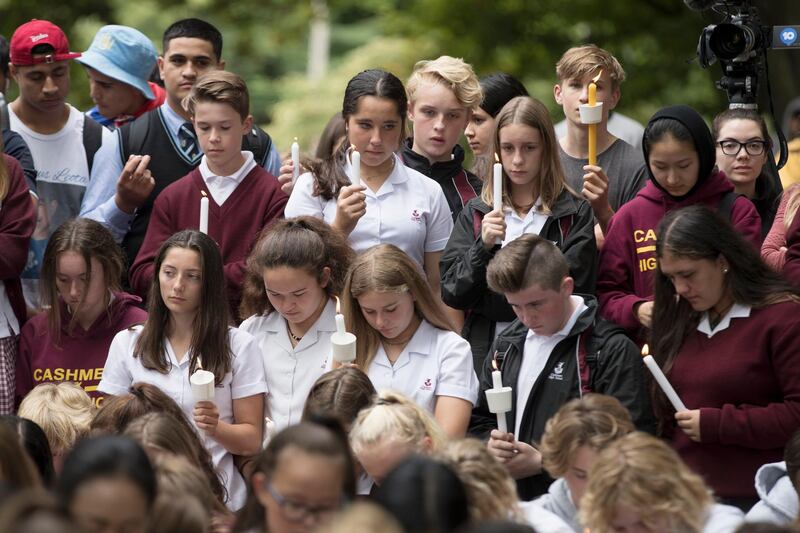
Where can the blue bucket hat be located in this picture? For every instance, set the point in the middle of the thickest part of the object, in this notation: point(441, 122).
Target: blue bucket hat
point(124, 54)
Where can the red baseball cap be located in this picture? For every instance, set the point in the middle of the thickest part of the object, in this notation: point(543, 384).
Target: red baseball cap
point(34, 33)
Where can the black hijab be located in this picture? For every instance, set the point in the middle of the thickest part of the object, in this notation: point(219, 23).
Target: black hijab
point(701, 136)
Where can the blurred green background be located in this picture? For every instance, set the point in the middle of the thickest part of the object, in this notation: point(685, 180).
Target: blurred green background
point(267, 42)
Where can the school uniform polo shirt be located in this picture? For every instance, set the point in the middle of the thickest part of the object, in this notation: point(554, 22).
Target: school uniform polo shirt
point(535, 355)
point(245, 379)
point(291, 371)
point(221, 187)
point(434, 363)
point(409, 211)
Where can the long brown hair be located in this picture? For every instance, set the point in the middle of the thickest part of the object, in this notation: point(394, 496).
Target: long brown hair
point(550, 182)
point(328, 173)
point(386, 268)
point(88, 239)
point(305, 243)
point(697, 233)
point(210, 329)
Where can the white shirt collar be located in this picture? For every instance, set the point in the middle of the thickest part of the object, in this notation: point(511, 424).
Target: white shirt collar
point(398, 174)
point(736, 311)
point(248, 165)
point(173, 119)
point(580, 307)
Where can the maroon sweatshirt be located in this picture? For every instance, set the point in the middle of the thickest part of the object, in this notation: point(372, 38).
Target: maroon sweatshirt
point(746, 382)
point(235, 226)
point(628, 257)
point(80, 355)
point(17, 222)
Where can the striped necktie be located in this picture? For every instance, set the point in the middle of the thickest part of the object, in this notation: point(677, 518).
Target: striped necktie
point(188, 143)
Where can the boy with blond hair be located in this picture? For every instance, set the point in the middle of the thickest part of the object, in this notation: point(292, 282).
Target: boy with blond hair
point(243, 197)
point(442, 94)
point(620, 170)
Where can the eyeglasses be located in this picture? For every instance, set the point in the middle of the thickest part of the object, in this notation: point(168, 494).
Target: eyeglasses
point(298, 512)
point(731, 147)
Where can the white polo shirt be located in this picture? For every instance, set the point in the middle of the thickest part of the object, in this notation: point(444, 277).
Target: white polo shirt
point(245, 379)
point(409, 211)
point(221, 187)
point(535, 355)
point(434, 363)
point(291, 371)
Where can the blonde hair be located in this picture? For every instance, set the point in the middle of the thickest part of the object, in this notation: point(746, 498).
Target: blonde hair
point(452, 72)
point(579, 61)
point(550, 182)
point(791, 204)
point(385, 268)
point(491, 492)
point(595, 421)
point(177, 475)
point(63, 410)
point(394, 418)
point(644, 473)
point(364, 517)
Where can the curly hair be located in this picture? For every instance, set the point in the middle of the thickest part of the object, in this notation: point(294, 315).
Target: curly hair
point(642, 472)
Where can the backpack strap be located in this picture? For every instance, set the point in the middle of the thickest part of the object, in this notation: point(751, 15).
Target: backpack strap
point(463, 187)
point(587, 361)
point(726, 204)
point(92, 139)
point(132, 135)
point(259, 142)
point(4, 125)
point(565, 224)
point(477, 222)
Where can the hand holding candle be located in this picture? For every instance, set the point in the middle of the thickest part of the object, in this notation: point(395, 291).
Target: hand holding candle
point(355, 163)
point(204, 213)
point(592, 114)
point(342, 342)
point(499, 398)
point(662, 380)
point(295, 160)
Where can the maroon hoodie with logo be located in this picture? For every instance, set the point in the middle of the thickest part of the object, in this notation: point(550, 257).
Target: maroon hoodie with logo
point(80, 354)
point(628, 257)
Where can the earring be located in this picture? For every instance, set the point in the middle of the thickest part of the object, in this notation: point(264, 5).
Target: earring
point(725, 270)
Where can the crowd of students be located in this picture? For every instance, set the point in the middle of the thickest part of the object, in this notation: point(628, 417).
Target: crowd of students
point(160, 234)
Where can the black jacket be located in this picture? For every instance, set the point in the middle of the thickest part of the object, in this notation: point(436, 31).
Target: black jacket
point(615, 369)
point(449, 174)
point(464, 261)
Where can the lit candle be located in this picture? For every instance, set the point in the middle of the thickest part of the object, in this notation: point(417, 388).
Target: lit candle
point(497, 189)
point(662, 380)
point(499, 398)
point(204, 212)
point(355, 163)
point(202, 384)
point(295, 160)
point(342, 342)
point(497, 185)
point(593, 126)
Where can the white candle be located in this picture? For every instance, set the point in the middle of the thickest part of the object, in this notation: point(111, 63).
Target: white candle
point(355, 163)
point(204, 213)
point(497, 184)
point(662, 380)
point(202, 384)
point(342, 342)
point(497, 190)
point(499, 399)
point(295, 160)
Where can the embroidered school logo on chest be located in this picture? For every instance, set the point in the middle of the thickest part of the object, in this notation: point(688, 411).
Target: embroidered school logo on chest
point(416, 216)
point(427, 385)
point(558, 372)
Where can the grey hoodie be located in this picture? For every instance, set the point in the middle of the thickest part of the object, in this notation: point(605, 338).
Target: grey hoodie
point(779, 503)
point(558, 501)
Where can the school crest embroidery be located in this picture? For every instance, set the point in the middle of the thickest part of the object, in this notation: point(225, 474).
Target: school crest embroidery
point(558, 372)
point(427, 384)
point(416, 216)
